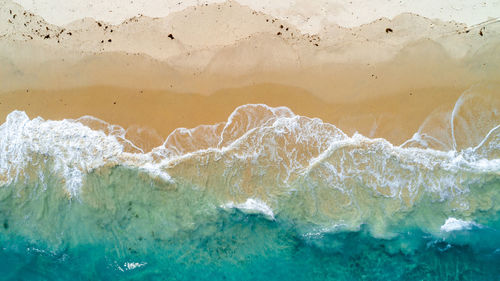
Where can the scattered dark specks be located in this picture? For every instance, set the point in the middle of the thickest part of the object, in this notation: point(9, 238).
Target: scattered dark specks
point(171, 36)
point(388, 30)
point(102, 41)
point(14, 16)
point(279, 33)
point(109, 40)
point(27, 90)
point(281, 26)
point(286, 29)
point(46, 28)
point(467, 31)
point(481, 31)
point(47, 36)
point(267, 20)
point(6, 224)
point(10, 11)
point(114, 102)
point(111, 30)
point(69, 33)
point(316, 44)
point(99, 24)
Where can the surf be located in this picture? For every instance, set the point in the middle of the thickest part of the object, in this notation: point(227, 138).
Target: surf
point(294, 166)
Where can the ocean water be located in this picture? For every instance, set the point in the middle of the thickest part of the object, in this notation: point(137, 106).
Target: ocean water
point(266, 195)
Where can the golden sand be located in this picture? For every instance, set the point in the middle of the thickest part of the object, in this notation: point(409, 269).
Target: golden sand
point(395, 117)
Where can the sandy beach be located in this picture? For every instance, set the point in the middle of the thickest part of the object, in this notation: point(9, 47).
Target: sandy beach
point(249, 140)
point(395, 118)
point(381, 79)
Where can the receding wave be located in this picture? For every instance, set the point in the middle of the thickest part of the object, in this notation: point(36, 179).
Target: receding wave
point(70, 183)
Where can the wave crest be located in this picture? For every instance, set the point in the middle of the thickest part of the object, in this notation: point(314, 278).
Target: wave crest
point(298, 166)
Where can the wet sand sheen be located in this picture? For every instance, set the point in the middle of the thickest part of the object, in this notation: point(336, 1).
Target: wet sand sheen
point(395, 117)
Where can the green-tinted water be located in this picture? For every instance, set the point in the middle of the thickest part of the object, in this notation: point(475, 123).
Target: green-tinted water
point(268, 195)
point(126, 225)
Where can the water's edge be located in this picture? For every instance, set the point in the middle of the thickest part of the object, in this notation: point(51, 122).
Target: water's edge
point(266, 195)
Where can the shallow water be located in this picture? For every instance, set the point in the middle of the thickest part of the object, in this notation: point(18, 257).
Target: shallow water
point(265, 195)
point(127, 226)
point(398, 180)
point(237, 246)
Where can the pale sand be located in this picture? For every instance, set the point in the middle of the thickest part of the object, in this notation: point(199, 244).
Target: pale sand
point(366, 79)
point(309, 15)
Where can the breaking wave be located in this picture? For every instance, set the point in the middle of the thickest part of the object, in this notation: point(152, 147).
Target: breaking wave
point(56, 175)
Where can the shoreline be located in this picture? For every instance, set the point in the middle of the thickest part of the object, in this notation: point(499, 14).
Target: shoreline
point(382, 79)
point(395, 118)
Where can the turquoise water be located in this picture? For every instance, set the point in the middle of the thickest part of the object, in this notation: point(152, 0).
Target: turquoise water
point(131, 220)
point(267, 195)
point(271, 251)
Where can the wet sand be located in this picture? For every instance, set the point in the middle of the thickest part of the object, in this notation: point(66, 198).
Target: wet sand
point(395, 118)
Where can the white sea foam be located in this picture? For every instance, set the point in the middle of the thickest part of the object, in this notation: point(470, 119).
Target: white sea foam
point(252, 206)
point(131, 266)
point(73, 148)
point(453, 224)
point(319, 232)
